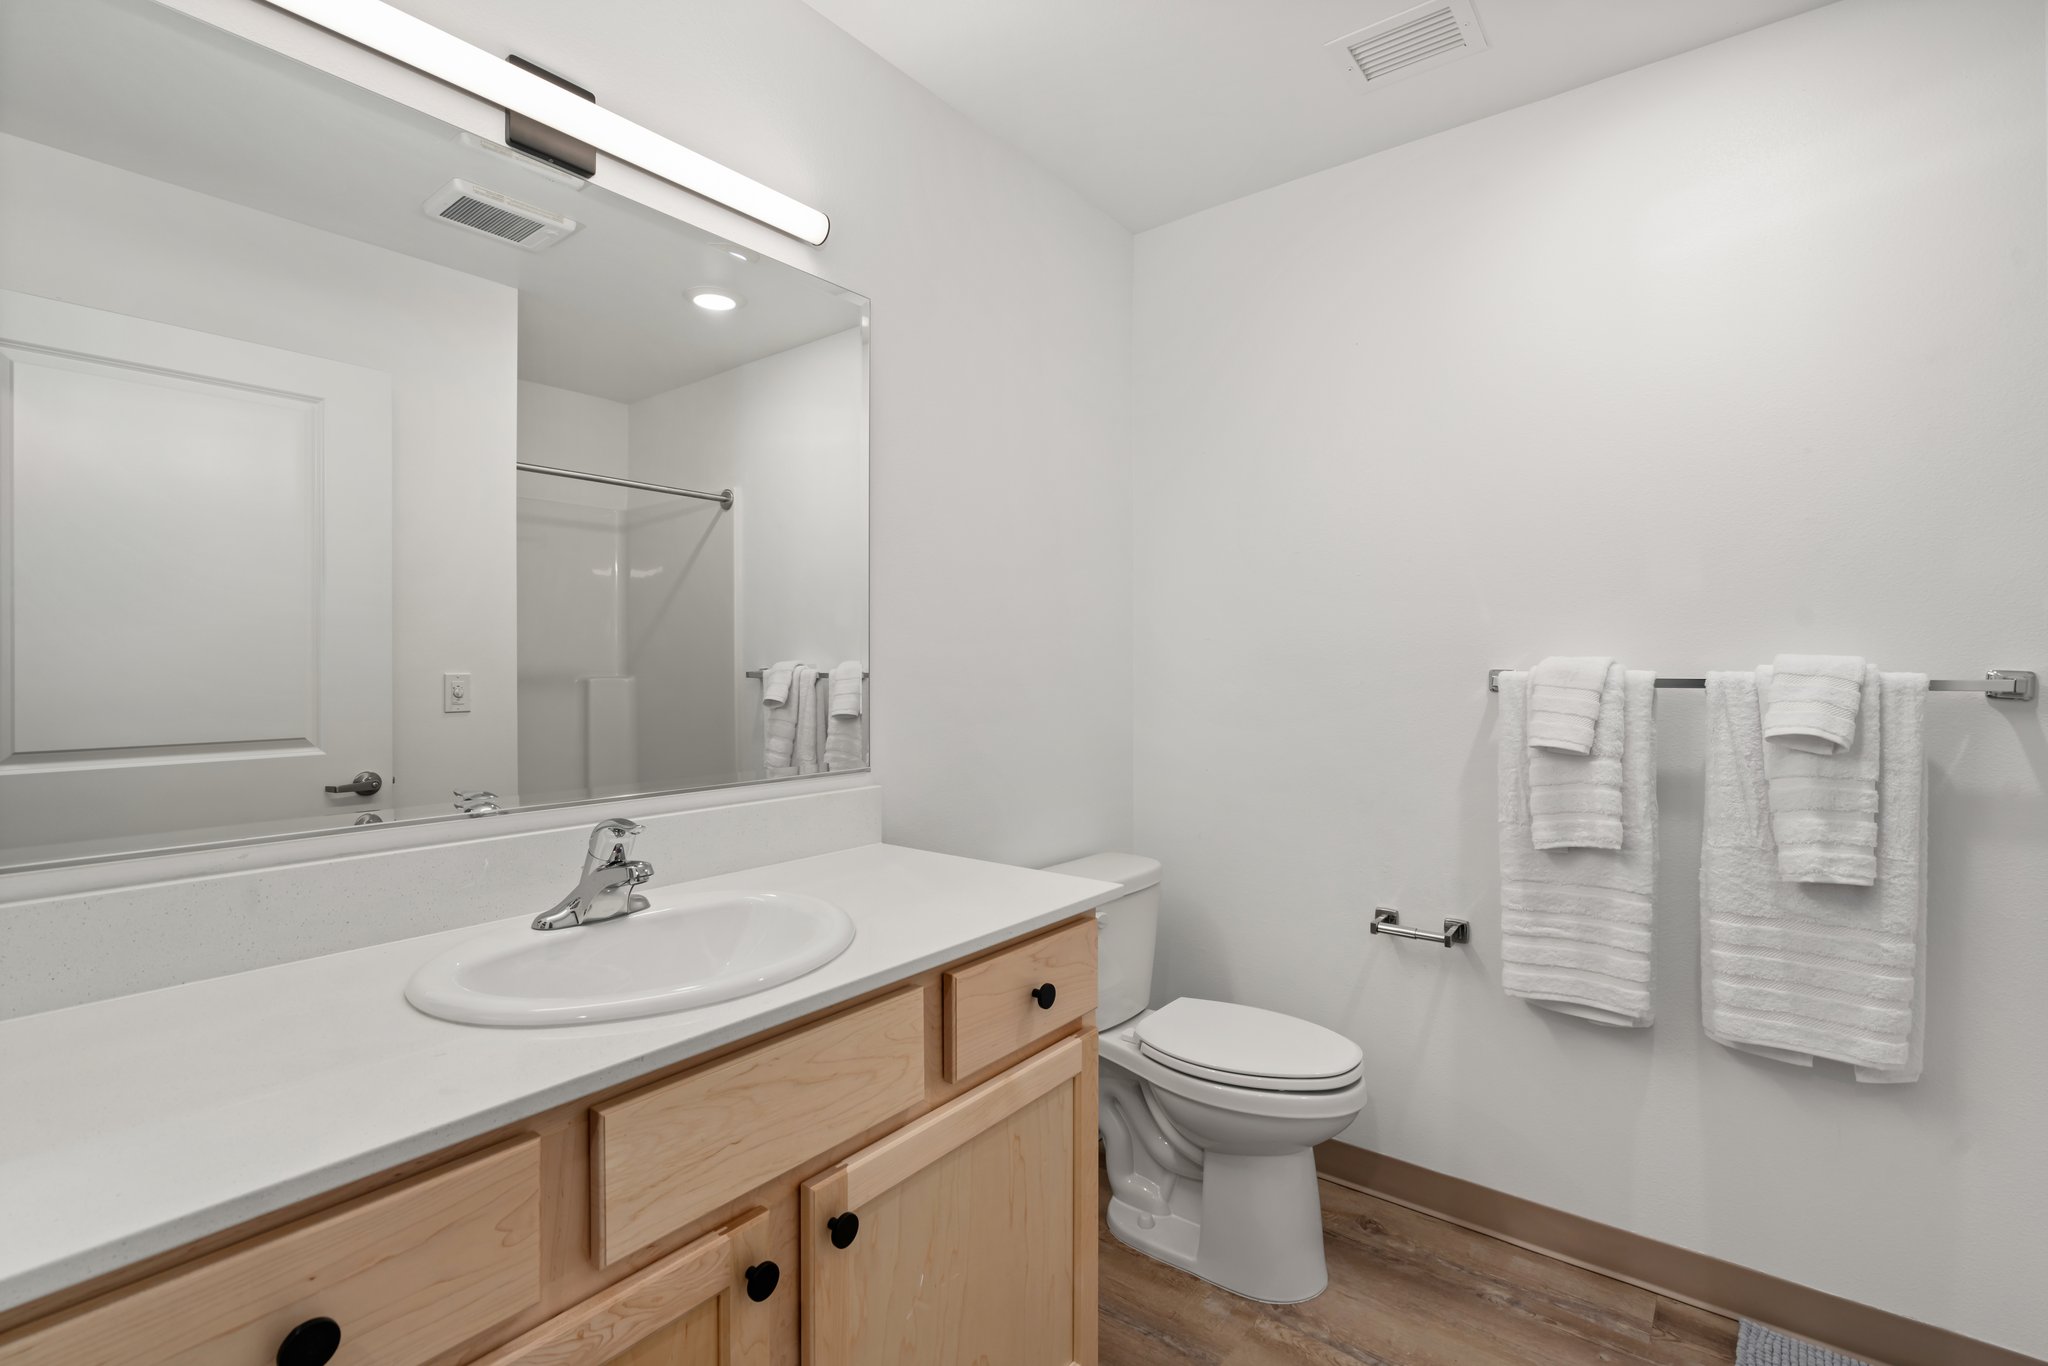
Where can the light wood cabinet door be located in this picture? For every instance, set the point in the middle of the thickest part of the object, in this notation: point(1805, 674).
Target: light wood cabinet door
point(706, 1305)
point(968, 1236)
point(395, 1278)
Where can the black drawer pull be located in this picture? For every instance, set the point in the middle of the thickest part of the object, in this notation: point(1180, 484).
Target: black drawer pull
point(312, 1343)
point(843, 1229)
point(762, 1278)
point(1044, 995)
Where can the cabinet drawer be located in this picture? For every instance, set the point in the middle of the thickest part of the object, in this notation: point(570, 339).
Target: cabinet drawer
point(675, 1151)
point(991, 1008)
point(406, 1273)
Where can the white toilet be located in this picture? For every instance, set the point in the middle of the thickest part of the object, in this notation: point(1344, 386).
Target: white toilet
point(1209, 1112)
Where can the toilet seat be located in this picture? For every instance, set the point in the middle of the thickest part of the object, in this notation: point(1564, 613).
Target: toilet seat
point(1243, 1046)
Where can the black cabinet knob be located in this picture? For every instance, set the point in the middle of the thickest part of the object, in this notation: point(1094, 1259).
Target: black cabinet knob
point(312, 1343)
point(1044, 996)
point(762, 1278)
point(843, 1228)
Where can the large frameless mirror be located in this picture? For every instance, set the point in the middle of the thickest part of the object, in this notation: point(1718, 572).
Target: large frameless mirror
point(355, 469)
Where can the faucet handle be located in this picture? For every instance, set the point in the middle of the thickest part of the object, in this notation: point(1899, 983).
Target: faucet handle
point(611, 839)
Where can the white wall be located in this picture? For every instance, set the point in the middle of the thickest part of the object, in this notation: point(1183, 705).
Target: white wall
point(571, 539)
point(679, 594)
point(1735, 354)
point(92, 234)
point(788, 433)
point(1001, 508)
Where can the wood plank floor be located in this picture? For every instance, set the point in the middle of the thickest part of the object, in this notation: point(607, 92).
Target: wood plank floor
point(1405, 1290)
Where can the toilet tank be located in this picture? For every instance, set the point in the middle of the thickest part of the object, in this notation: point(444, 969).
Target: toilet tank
point(1127, 930)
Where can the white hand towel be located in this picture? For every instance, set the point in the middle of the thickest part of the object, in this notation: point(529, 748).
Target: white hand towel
point(803, 685)
point(775, 682)
point(1824, 806)
point(1564, 703)
point(1812, 702)
point(1797, 972)
point(845, 744)
point(778, 719)
point(847, 676)
point(1576, 923)
point(1575, 799)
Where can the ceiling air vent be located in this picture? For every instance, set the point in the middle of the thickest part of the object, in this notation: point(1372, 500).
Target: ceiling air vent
point(497, 215)
point(1411, 42)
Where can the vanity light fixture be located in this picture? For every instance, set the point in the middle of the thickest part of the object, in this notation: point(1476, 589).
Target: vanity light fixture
point(418, 44)
point(715, 300)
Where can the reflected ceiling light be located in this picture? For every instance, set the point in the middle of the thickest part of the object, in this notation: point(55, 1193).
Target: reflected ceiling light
point(445, 57)
point(715, 300)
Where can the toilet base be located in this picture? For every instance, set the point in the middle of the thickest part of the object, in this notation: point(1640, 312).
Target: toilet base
point(1251, 1225)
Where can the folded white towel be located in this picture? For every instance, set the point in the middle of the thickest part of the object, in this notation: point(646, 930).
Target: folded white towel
point(804, 700)
point(1564, 702)
point(847, 685)
point(778, 719)
point(845, 743)
point(1575, 799)
point(1812, 702)
point(1824, 806)
point(775, 682)
point(1795, 971)
point(1576, 923)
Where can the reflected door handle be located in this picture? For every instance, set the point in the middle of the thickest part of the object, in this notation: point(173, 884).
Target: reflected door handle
point(365, 784)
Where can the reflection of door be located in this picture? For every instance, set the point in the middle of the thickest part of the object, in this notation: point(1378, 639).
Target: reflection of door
point(195, 581)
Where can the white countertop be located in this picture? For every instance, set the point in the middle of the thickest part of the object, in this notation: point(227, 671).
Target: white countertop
point(134, 1125)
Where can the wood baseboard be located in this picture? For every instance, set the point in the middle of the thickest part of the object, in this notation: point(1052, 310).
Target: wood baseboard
point(1709, 1282)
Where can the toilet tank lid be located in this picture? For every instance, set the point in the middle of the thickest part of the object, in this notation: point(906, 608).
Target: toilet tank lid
point(1134, 871)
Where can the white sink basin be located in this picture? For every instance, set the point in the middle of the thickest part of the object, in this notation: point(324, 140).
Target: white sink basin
point(685, 950)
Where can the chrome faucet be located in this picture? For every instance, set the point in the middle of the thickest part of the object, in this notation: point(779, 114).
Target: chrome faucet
point(605, 891)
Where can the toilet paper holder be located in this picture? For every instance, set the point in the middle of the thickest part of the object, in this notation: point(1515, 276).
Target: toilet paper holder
point(1385, 921)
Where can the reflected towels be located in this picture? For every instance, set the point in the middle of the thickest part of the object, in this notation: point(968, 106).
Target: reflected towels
point(778, 721)
point(845, 745)
point(1576, 922)
point(1797, 971)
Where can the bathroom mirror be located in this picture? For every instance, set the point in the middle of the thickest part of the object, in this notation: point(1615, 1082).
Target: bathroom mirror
point(278, 354)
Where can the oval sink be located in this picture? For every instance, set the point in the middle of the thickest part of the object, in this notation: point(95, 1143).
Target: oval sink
point(685, 950)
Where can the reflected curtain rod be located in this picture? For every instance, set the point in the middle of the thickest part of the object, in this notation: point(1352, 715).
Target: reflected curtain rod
point(723, 497)
point(1999, 685)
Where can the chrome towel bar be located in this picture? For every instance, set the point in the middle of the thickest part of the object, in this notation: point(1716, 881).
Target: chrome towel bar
point(1385, 921)
point(2000, 685)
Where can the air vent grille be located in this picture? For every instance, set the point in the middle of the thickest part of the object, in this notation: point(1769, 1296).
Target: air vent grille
point(1412, 41)
point(498, 215)
point(474, 213)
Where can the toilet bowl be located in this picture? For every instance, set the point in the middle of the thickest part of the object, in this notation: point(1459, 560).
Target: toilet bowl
point(1209, 1113)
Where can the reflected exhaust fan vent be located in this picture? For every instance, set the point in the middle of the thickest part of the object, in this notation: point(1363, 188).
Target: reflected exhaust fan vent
point(1412, 42)
point(497, 215)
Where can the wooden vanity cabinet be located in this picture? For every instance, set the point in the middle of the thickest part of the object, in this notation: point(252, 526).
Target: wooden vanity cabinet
point(942, 1128)
point(968, 1236)
point(702, 1306)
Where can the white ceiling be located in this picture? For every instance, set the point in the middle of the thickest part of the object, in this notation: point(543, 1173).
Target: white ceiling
point(1155, 109)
